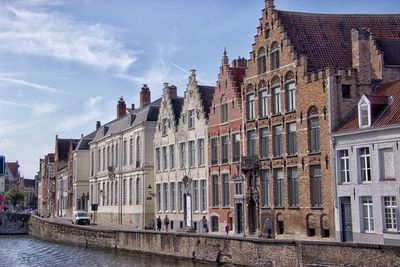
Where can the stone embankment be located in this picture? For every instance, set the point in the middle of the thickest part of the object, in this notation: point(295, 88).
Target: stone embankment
point(13, 223)
point(221, 249)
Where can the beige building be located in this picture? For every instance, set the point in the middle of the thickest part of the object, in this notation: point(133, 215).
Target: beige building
point(121, 165)
point(181, 155)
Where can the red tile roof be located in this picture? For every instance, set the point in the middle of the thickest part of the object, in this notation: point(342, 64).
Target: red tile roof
point(13, 167)
point(390, 114)
point(326, 38)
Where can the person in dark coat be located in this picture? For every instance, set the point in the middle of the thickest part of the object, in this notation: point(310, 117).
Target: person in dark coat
point(158, 223)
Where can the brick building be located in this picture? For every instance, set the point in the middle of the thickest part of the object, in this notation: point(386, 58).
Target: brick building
point(306, 73)
point(226, 201)
point(46, 185)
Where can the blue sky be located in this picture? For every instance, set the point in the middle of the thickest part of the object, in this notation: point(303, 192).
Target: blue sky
point(65, 63)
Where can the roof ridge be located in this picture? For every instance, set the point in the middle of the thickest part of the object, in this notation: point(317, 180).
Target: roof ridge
point(338, 14)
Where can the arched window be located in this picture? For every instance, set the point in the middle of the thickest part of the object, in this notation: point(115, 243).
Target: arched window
point(138, 191)
point(261, 61)
point(263, 100)
point(267, 31)
point(290, 88)
point(250, 102)
point(276, 95)
point(274, 56)
point(313, 130)
point(138, 152)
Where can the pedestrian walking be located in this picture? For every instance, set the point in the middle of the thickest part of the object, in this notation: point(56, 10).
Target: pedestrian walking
point(268, 227)
point(205, 224)
point(166, 223)
point(159, 223)
point(227, 228)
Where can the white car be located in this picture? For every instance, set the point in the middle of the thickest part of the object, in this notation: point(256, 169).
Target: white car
point(80, 217)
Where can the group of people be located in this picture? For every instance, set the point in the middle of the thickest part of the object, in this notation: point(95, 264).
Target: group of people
point(204, 221)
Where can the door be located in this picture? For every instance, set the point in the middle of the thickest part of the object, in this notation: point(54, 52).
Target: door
point(239, 218)
point(347, 225)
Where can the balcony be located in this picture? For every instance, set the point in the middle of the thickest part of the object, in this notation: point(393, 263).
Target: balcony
point(249, 163)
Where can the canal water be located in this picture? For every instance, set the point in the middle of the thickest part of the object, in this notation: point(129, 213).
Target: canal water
point(25, 251)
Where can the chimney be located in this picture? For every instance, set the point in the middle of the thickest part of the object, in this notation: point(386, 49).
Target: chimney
point(133, 107)
point(144, 96)
point(361, 54)
point(171, 89)
point(98, 125)
point(121, 108)
point(192, 77)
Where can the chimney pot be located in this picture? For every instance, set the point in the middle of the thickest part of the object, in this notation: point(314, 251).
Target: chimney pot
point(98, 125)
point(133, 107)
point(121, 108)
point(144, 96)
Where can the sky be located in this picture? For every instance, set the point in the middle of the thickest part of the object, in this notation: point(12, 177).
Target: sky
point(65, 63)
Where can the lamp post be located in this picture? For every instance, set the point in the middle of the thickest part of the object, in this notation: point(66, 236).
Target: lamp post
point(150, 196)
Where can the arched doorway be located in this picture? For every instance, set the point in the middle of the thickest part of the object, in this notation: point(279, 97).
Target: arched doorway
point(252, 216)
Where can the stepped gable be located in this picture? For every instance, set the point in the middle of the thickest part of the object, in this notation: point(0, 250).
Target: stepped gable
point(326, 38)
point(389, 113)
point(206, 94)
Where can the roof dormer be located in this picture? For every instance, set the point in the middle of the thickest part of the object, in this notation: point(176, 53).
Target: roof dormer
point(370, 108)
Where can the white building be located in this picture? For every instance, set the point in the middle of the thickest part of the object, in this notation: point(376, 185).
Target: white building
point(181, 155)
point(367, 160)
point(121, 165)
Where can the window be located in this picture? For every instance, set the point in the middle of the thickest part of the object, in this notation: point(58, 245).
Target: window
point(182, 154)
point(130, 191)
point(180, 196)
point(125, 153)
point(264, 188)
point(158, 193)
point(367, 214)
point(238, 187)
point(214, 151)
point(293, 187)
point(215, 195)
point(316, 194)
point(192, 154)
point(112, 193)
point(203, 195)
point(313, 134)
point(291, 139)
point(164, 126)
point(274, 56)
point(290, 96)
point(158, 159)
point(191, 119)
point(108, 157)
point(278, 177)
point(224, 112)
point(235, 147)
point(99, 160)
point(138, 191)
point(250, 107)
point(346, 89)
point(261, 62)
point(364, 116)
point(200, 149)
point(264, 149)
point(112, 155)
point(365, 164)
point(165, 196)
point(224, 149)
point(225, 190)
point(276, 100)
point(138, 152)
point(263, 104)
point(195, 194)
point(115, 193)
point(124, 192)
point(267, 31)
point(172, 197)
point(386, 163)
point(171, 157)
point(131, 151)
point(104, 159)
point(390, 213)
point(92, 164)
point(251, 143)
point(277, 141)
point(116, 155)
point(344, 166)
point(165, 158)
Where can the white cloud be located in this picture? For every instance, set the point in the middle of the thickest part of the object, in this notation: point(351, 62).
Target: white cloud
point(57, 35)
point(37, 108)
point(32, 85)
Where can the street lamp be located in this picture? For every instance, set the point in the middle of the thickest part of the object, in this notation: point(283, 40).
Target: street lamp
point(111, 175)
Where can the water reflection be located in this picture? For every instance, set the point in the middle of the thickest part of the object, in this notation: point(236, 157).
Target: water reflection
point(24, 251)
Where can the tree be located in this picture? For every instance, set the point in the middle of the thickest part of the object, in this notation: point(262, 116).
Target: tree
point(14, 197)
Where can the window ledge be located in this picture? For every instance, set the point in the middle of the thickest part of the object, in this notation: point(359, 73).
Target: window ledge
point(223, 123)
point(291, 155)
point(279, 207)
point(276, 115)
point(225, 163)
point(314, 153)
point(294, 207)
point(290, 111)
point(387, 179)
point(227, 207)
point(391, 232)
point(263, 117)
point(266, 207)
point(251, 120)
point(277, 157)
point(215, 207)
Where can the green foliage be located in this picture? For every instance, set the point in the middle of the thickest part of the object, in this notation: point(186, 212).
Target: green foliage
point(14, 197)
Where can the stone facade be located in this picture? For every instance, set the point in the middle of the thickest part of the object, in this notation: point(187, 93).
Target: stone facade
point(181, 155)
point(45, 179)
point(225, 131)
point(122, 166)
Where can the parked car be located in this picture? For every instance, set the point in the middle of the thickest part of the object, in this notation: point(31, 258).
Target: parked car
point(80, 217)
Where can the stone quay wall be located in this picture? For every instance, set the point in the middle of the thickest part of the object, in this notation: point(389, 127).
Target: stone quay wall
point(13, 223)
point(221, 249)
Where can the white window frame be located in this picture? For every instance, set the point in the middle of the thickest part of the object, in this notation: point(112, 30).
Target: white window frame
point(344, 166)
point(364, 103)
point(366, 202)
point(366, 158)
